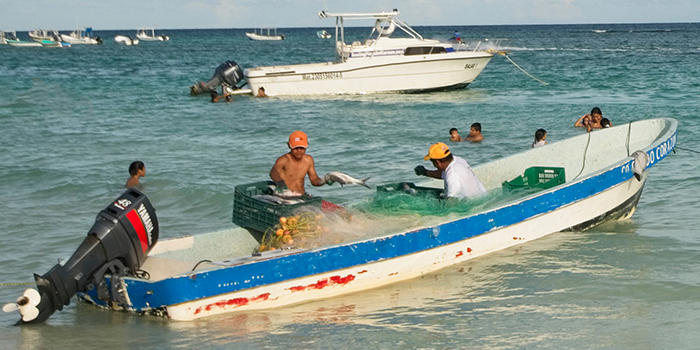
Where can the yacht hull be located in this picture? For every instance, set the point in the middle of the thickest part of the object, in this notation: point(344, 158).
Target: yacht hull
point(370, 75)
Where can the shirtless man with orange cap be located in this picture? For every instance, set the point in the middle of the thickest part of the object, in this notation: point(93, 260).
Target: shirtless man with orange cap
point(291, 169)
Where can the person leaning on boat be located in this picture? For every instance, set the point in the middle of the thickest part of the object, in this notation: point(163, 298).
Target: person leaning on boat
point(460, 180)
point(291, 169)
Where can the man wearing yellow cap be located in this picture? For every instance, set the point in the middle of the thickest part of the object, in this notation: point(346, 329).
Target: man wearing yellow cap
point(291, 169)
point(460, 180)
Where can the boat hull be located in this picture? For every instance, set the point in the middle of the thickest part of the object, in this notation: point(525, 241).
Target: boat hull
point(79, 41)
point(608, 191)
point(371, 75)
point(253, 36)
point(16, 43)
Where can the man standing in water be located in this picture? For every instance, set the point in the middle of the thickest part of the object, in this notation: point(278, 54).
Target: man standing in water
point(460, 180)
point(291, 169)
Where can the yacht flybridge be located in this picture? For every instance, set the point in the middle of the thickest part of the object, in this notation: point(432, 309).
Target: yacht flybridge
point(381, 63)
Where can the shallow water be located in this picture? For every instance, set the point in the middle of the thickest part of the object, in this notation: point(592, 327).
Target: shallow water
point(75, 118)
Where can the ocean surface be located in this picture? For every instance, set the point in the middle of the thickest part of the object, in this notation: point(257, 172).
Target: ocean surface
point(74, 119)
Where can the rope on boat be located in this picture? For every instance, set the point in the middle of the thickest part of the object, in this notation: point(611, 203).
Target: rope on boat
point(16, 283)
point(585, 151)
point(503, 53)
point(686, 149)
point(203, 261)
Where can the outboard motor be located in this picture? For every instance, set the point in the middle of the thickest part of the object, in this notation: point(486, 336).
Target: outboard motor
point(117, 244)
point(228, 74)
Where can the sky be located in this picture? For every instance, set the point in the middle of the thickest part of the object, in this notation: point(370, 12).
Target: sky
point(22, 15)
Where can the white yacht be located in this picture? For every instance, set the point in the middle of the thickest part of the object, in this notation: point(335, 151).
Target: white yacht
point(380, 64)
point(142, 34)
point(270, 35)
point(83, 37)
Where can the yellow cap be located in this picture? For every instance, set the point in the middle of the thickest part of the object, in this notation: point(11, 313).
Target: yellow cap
point(298, 139)
point(437, 151)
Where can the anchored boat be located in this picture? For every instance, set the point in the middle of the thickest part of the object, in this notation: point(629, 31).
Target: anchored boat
point(83, 37)
point(142, 34)
point(128, 41)
point(578, 183)
point(380, 64)
point(265, 36)
point(43, 34)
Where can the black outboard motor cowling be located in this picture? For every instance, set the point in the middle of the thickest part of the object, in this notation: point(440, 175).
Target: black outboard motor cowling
point(121, 238)
point(228, 73)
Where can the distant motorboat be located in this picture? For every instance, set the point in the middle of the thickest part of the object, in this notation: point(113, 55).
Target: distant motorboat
point(43, 34)
point(323, 34)
point(268, 36)
point(9, 35)
point(143, 35)
point(19, 43)
point(56, 42)
point(83, 36)
point(126, 40)
point(380, 64)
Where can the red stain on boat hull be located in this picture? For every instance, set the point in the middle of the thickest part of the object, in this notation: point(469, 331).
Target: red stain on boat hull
point(330, 281)
point(236, 302)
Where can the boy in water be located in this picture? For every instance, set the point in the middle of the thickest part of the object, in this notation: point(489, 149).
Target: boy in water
point(137, 170)
point(475, 133)
point(291, 169)
point(454, 135)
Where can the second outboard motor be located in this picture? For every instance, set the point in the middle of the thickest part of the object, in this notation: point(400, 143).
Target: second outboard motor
point(228, 74)
point(117, 244)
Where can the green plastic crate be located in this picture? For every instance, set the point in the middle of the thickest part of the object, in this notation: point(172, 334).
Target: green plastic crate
point(537, 177)
point(410, 188)
point(258, 215)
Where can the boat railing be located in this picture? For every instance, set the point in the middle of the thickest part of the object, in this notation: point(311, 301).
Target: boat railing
point(478, 45)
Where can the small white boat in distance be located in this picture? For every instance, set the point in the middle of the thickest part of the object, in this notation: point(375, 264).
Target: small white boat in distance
point(265, 35)
point(126, 40)
point(142, 34)
point(43, 34)
point(56, 42)
point(83, 37)
point(323, 34)
point(380, 64)
point(8, 35)
point(19, 43)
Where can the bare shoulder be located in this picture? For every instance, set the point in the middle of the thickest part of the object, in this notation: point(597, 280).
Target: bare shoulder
point(308, 159)
point(283, 159)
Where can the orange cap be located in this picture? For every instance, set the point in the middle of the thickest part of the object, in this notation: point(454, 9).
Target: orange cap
point(437, 151)
point(298, 139)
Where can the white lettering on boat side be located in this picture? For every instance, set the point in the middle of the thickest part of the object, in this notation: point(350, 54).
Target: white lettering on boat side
point(322, 76)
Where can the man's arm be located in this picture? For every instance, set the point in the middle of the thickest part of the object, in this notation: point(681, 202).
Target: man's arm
point(313, 177)
point(276, 171)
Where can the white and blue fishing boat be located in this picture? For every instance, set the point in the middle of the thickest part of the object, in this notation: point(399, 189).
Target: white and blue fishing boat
point(600, 176)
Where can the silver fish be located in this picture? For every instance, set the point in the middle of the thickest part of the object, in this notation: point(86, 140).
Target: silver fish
point(344, 179)
point(276, 199)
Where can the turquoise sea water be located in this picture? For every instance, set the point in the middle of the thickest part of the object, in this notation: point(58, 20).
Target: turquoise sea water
point(73, 119)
